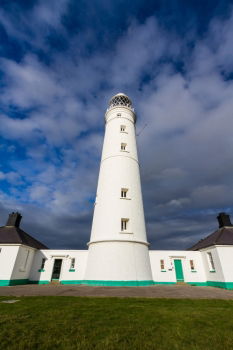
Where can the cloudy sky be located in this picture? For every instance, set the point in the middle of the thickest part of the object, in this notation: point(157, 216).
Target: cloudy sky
point(60, 63)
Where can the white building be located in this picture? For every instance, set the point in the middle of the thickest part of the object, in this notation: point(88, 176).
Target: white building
point(118, 252)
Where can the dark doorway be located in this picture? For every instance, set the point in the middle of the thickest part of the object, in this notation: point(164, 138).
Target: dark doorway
point(56, 269)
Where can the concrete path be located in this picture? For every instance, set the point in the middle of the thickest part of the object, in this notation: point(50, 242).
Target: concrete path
point(157, 291)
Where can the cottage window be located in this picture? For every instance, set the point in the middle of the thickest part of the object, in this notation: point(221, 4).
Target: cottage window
point(211, 261)
point(162, 265)
point(26, 260)
point(72, 264)
point(43, 263)
point(192, 265)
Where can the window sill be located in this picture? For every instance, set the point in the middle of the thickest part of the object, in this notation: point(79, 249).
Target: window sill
point(163, 271)
point(212, 271)
point(71, 270)
point(129, 199)
point(123, 132)
point(129, 233)
point(123, 150)
point(41, 270)
point(193, 271)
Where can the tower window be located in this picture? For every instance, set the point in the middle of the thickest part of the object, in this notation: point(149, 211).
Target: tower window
point(162, 265)
point(72, 264)
point(124, 192)
point(211, 261)
point(123, 127)
point(118, 114)
point(124, 224)
point(192, 265)
point(123, 146)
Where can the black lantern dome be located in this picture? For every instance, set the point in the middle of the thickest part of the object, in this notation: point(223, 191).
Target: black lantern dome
point(120, 100)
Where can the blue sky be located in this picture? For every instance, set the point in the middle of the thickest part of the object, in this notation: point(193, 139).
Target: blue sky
point(60, 63)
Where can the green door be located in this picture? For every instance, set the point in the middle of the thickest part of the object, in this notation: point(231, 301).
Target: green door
point(179, 270)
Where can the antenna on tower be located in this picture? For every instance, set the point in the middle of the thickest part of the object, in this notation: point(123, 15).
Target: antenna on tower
point(138, 134)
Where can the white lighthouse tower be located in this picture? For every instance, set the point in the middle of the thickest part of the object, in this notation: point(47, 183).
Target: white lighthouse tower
point(118, 249)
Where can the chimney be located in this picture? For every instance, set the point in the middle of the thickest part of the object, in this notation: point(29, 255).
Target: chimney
point(224, 220)
point(14, 219)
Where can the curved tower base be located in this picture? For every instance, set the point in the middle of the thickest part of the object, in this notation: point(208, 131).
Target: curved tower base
point(118, 263)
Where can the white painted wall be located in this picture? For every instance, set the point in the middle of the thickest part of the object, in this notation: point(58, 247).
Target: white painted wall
point(118, 261)
point(223, 261)
point(218, 275)
point(169, 275)
point(111, 260)
point(66, 255)
point(119, 169)
point(225, 254)
point(23, 262)
point(8, 257)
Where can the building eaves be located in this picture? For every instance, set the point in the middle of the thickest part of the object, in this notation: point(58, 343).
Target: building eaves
point(14, 235)
point(223, 236)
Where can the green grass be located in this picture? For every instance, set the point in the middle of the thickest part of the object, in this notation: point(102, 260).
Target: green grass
point(114, 323)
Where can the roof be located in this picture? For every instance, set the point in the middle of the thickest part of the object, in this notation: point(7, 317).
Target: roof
point(14, 235)
point(121, 94)
point(223, 236)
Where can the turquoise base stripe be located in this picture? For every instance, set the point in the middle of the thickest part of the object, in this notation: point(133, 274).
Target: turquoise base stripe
point(118, 283)
point(110, 283)
point(13, 282)
point(217, 284)
point(4, 283)
point(225, 285)
point(72, 282)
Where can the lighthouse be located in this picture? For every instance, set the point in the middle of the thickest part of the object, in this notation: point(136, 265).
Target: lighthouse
point(118, 249)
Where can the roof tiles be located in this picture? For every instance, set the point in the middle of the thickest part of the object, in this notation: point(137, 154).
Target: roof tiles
point(14, 235)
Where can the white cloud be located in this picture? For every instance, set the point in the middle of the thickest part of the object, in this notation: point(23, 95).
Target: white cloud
point(39, 192)
point(12, 177)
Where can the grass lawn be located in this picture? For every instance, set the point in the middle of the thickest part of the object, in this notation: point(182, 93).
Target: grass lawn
point(114, 323)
